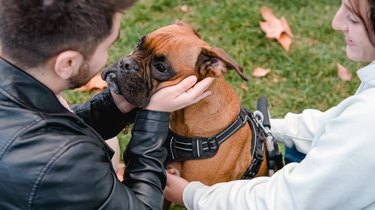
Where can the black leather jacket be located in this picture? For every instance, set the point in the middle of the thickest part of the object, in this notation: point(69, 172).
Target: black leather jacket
point(51, 158)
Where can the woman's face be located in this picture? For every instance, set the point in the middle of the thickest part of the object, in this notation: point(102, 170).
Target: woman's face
point(358, 44)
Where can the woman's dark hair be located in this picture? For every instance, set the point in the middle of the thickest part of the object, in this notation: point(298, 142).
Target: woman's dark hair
point(372, 14)
point(366, 12)
point(33, 31)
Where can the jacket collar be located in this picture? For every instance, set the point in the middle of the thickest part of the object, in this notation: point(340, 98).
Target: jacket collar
point(367, 74)
point(26, 91)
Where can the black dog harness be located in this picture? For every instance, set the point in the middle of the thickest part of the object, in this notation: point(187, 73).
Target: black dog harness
point(183, 148)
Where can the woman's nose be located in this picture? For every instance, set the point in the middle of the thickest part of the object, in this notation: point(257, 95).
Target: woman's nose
point(339, 23)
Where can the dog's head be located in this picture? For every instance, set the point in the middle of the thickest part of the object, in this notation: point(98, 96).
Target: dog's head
point(163, 58)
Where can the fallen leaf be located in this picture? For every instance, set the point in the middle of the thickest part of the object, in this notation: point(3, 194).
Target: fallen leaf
point(261, 72)
point(272, 25)
point(95, 83)
point(311, 42)
point(184, 8)
point(276, 28)
point(343, 73)
point(285, 41)
point(286, 27)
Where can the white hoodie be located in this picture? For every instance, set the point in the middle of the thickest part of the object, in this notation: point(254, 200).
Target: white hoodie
point(337, 173)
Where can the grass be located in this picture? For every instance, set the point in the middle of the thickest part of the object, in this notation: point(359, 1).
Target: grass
point(304, 77)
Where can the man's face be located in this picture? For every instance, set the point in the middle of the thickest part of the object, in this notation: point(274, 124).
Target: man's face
point(97, 61)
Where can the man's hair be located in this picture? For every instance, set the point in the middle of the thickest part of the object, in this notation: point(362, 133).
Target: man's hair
point(33, 31)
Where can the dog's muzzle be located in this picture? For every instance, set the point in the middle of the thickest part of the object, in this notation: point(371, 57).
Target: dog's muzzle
point(110, 75)
point(125, 78)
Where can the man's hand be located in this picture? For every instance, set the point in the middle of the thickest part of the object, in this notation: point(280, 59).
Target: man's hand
point(122, 104)
point(183, 94)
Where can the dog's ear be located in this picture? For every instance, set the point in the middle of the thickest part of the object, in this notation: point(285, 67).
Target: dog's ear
point(214, 61)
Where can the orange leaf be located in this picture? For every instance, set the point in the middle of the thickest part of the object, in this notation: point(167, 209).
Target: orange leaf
point(95, 83)
point(261, 72)
point(343, 73)
point(311, 42)
point(276, 28)
point(273, 26)
point(286, 27)
point(285, 41)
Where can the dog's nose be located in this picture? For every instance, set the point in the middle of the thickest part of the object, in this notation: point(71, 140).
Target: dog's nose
point(128, 65)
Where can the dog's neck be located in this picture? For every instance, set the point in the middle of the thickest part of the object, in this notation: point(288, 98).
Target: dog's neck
point(217, 110)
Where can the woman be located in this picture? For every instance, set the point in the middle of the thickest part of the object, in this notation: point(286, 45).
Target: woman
point(337, 172)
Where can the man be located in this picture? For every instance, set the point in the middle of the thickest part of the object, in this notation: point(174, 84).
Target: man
point(51, 158)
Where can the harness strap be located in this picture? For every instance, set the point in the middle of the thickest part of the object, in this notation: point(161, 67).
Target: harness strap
point(182, 148)
point(258, 136)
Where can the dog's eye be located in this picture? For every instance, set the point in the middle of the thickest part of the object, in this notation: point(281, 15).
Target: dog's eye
point(160, 67)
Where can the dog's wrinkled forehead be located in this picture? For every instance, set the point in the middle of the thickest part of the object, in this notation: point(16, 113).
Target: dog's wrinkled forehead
point(164, 41)
point(178, 32)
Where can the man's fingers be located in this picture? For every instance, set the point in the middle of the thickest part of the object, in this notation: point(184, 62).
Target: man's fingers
point(202, 86)
point(185, 84)
point(199, 91)
point(180, 95)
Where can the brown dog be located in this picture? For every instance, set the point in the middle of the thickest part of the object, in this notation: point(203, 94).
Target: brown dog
point(165, 57)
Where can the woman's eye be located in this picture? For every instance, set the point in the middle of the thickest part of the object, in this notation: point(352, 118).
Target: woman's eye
point(160, 67)
point(352, 19)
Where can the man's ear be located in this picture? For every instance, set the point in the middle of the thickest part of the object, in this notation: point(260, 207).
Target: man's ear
point(213, 62)
point(68, 64)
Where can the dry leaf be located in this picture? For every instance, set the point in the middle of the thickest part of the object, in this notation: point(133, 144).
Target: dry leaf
point(285, 41)
point(286, 27)
point(261, 72)
point(273, 26)
point(184, 8)
point(311, 42)
point(95, 83)
point(276, 28)
point(343, 73)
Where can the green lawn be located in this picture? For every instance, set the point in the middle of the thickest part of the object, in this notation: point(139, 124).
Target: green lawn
point(304, 77)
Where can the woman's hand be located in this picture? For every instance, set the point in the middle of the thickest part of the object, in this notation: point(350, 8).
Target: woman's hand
point(175, 187)
point(185, 93)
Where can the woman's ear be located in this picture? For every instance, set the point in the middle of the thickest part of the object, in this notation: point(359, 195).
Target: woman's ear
point(68, 64)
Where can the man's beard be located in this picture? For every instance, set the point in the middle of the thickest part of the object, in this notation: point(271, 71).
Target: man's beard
point(83, 77)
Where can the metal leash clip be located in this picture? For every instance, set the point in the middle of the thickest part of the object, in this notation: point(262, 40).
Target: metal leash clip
point(263, 119)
